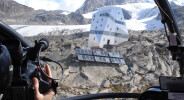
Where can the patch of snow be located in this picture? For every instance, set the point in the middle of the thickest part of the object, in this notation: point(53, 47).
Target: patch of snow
point(178, 2)
point(65, 13)
point(89, 15)
point(143, 16)
point(136, 8)
point(33, 30)
point(16, 27)
point(149, 1)
point(145, 24)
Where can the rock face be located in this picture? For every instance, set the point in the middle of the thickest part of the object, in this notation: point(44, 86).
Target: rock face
point(12, 12)
point(91, 5)
point(13, 8)
point(54, 18)
point(145, 55)
point(42, 17)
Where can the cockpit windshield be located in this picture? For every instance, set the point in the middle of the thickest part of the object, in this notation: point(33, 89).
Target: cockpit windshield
point(104, 46)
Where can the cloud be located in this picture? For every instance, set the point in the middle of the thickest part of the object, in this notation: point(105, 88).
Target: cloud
point(69, 5)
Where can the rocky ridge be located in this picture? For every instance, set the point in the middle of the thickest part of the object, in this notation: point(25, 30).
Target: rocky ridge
point(12, 12)
point(91, 5)
point(12, 8)
point(145, 55)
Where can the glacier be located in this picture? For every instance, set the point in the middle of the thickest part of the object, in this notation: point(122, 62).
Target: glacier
point(34, 30)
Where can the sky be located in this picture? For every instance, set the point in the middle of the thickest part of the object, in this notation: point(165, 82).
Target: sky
point(68, 5)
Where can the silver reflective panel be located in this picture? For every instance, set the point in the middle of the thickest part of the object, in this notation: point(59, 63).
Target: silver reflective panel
point(107, 60)
point(90, 52)
point(80, 57)
point(83, 52)
point(122, 61)
point(99, 56)
point(77, 51)
point(85, 58)
point(102, 59)
point(100, 53)
point(115, 55)
point(117, 61)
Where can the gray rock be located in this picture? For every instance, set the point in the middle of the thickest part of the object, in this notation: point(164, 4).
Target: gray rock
point(137, 78)
point(81, 93)
point(105, 91)
point(145, 55)
point(15, 13)
point(13, 8)
point(106, 84)
point(83, 87)
point(123, 69)
point(91, 5)
point(97, 74)
point(73, 70)
point(93, 91)
point(149, 77)
point(76, 80)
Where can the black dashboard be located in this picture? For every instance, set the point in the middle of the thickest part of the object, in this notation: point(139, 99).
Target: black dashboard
point(6, 32)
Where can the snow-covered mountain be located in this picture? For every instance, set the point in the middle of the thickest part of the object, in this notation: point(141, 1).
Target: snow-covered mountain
point(92, 5)
point(11, 12)
point(139, 15)
point(143, 15)
point(178, 2)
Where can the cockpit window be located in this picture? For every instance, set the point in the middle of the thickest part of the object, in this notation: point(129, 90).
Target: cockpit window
point(104, 46)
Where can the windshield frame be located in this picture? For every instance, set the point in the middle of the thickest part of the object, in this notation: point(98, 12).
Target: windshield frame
point(168, 18)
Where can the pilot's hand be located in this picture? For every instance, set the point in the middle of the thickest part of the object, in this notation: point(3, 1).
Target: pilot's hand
point(49, 94)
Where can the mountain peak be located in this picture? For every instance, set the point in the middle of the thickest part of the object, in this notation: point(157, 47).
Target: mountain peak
point(10, 7)
point(91, 5)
